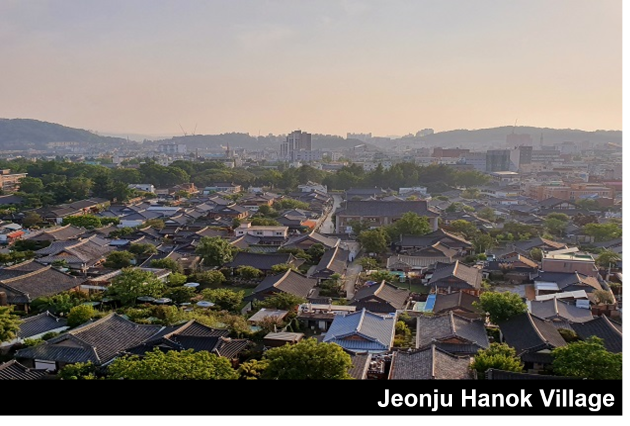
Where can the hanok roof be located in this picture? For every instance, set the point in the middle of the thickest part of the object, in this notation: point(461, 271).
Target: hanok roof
point(264, 262)
point(13, 370)
point(362, 331)
point(494, 374)
point(29, 280)
point(315, 238)
point(39, 324)
point(442, 329)
point(364, 191)
point(88, 250)
point(538, 242)
point(265, 313)
point(447, 239)
point(62, 233)
point(360, 364)
point(557, 309)
point(289, 282)
point(386, 208)
point(456, 275)
point(552, 202)
point(98, 342)
point(430, 363)
point(603, 328)
point(193, 335)
point(333, 261)
point(459, 300)
point(529, 334)
point(566, 280)
point(384, 298)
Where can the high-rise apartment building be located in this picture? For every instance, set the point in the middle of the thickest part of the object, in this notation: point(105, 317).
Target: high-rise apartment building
point(296, 141)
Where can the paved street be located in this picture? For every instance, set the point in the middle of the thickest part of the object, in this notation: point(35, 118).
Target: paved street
point(327, 226)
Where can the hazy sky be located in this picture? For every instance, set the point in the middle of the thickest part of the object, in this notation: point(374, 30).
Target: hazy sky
point(387, 67)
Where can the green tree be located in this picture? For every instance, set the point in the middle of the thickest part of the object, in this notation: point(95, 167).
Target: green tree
point(155, 224)
point(78, 371)
point(81, 314)
point(249, 272)
point(603, 297)
point(374, 240)
point(588, 359)
point(499, 356)
point(215, 251)
point(208, 278)
point(555, 226)
point(180, 294)
point(536, 254)
point(9, 324)
point(87, 221)
point(31, 185)
point(602, 231)
point(281, 268)
point(464, 227)
point(559, 216)
point(133, 283)
point(316, 251)
point(380, 276)
point(167, 263)
point(173, 365)
point(252, 369)
point(264, 221)
point(359, 226)
point(176, 279)
point(307, 360)
point(59, 304)
point(607, 257)
point(501, 306)
point(143, 249)
point(31, 219)
point(409, 224)
point(368, 263)
point(119, 259)
point(487, 213)
point(282, 301)
point(482, 242)
point(224, 298)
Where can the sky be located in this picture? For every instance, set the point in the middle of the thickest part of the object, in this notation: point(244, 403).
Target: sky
point(272, 66)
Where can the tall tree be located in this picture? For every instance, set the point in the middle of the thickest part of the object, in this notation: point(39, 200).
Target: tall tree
point(588, 359)
point(307, 360)
point(9, 324)
point(224, 298)
point(409, 224)
point(501, 306)
point(607, 257)
point(499, 356)
point(173, 365)
point(374, 240)
point(133, 283)
point(215, 251)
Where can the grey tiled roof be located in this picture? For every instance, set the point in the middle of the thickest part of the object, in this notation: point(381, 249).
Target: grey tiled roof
point(527, 333)
point(62, 233)
point(333, 261)
point(494, 374)
point(456, 275)
point(570, 279)
point(554, 308)
point(13, 370)
point(29, 280)
point(98, 342)
point(603, 328)
point(264, 262)
point(375, 332)
point(360, 364)
point(459, 300)
point(289, 282)
point(428, 364)
point(445, 327)
point(88, 250)
point(391, 297)
point(386, 208)
point(40, 323)
point(448, 239)
point(316, 238)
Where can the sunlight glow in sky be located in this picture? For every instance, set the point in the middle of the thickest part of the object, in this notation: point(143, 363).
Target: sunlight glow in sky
point(271, 66)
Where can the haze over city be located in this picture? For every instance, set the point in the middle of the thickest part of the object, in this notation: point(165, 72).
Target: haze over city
point(330, 67)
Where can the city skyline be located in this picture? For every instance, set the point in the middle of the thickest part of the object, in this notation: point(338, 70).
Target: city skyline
point(328, 68)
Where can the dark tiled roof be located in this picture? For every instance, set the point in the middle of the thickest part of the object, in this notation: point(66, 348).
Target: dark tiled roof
point(527, 333)
point(27, 281)
point(554, 308)
point(315, 238)
point(603, 328)
point(98, 342)
point(38, 324)
point(360, 364)
point(62, 233)
point(429, 364)
point(13, 370)
point(334, 261)
point(460, 300)
point(391, 297)
point(264, 262)
point(289, 282)
point(439, 328)
point(448, 239)
point(456, 275)
point(494, 374)
point(386, 208)
point(567, 280)
point(88, 250)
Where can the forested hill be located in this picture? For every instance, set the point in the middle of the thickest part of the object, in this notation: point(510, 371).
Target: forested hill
point(25, 133)
point(497, 135)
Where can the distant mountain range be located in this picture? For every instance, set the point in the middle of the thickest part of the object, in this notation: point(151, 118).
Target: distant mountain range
point(22, 134)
